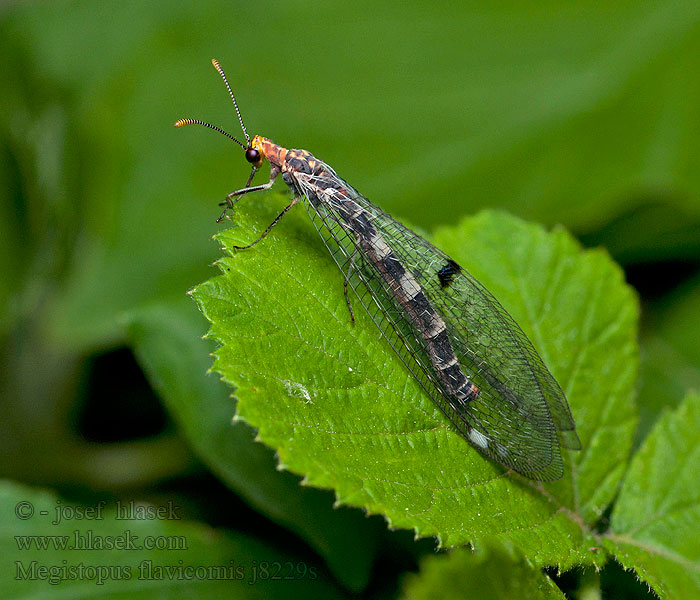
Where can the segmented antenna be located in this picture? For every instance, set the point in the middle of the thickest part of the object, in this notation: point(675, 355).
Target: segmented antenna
point(217, 66)
point(183, 122)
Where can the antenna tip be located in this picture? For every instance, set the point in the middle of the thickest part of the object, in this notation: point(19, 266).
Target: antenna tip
point(183, 122)
point(216, 64)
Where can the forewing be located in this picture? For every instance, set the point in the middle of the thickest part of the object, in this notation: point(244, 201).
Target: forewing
point(520, 406)
point(482, 331)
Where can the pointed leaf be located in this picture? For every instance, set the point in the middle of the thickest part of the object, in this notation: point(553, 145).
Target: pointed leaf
point(341, 409)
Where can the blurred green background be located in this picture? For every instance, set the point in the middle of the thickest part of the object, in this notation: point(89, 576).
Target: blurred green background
point(577, 114)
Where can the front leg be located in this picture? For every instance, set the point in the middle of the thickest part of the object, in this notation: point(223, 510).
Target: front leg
point(294, 201)
point(229, 201)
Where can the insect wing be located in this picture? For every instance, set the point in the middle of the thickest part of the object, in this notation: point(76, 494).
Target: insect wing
point(520, 406)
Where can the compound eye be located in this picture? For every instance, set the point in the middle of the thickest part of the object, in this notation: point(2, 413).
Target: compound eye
point(252, 155)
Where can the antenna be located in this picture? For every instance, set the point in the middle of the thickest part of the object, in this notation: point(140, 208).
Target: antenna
point(217, 66)
point(183, 122)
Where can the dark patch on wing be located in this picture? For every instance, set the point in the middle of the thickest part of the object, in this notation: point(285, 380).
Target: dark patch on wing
point(446, 274)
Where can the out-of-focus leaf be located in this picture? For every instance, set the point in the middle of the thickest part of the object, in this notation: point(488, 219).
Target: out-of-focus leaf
point(84, 557)
point(582, 112)
point(649, 233)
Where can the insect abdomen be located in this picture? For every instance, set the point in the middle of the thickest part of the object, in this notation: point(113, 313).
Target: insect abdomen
point(410, 296)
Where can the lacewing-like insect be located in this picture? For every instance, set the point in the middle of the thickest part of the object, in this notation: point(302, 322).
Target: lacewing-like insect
point(454, 337)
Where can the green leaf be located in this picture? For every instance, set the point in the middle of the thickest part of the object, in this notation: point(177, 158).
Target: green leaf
point(488, 574)
point(127, 569)
point(656, 519)
point(166, 340)
point(340, 408)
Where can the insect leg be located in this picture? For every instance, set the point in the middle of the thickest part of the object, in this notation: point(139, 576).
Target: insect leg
point(294, 201)
point(228, 202)
point(345, 284)
point(252, 174)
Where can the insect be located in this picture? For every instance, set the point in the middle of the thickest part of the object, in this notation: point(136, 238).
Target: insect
point(454, 337)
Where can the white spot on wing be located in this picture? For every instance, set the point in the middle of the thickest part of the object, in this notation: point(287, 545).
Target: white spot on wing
point(478, 438)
